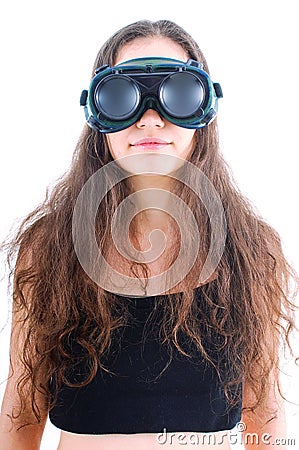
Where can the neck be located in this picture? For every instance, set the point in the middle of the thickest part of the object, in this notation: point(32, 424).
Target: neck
point(153, 198)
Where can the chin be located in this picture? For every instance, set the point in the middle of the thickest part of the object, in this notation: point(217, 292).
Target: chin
point(149, 162)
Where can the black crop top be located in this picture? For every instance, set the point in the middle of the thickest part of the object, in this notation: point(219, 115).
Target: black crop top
point(186, 397)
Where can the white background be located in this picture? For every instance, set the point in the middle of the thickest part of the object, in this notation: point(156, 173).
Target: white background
point(47, 53)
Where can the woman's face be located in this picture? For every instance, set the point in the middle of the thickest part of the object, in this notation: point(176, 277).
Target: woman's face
point(152, 133)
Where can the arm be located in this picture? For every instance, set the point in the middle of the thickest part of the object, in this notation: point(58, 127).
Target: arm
point(258, 435)
point(28, 437)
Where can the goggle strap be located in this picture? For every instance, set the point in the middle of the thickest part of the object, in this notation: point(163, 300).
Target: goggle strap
point(218, 90)
point(83, 98)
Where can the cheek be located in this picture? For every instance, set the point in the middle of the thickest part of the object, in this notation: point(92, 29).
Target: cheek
point(114, 143)
point(118, 142)
point(187, 139)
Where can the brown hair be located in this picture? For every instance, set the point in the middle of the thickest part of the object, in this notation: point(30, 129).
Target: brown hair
point(248, 306)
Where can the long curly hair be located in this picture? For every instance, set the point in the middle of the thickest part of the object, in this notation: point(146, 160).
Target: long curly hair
point(247, 309)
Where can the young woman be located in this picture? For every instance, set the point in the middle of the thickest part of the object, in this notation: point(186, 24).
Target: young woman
point(118, 355)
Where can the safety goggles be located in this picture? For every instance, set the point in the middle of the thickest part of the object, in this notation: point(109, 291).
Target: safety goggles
point(181, 92)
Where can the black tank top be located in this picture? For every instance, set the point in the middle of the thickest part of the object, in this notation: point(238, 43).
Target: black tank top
point(187, 396)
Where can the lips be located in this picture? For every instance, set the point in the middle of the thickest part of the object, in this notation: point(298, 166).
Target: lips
point(150, 143)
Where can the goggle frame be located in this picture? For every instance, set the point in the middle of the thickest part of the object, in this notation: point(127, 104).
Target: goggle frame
point(157, 68)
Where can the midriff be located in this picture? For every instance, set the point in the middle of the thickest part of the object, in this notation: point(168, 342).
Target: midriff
point(143, 441)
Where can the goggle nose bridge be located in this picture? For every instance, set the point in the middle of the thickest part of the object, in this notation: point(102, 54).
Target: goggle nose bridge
point(149, 102)
point(148, 83)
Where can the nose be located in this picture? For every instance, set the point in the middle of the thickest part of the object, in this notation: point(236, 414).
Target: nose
point(150, 118)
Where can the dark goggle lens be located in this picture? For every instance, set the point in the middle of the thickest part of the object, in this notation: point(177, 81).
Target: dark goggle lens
point(181, 94)
point(117, 97)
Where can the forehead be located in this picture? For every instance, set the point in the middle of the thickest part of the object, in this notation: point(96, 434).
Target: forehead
point(151, 46)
